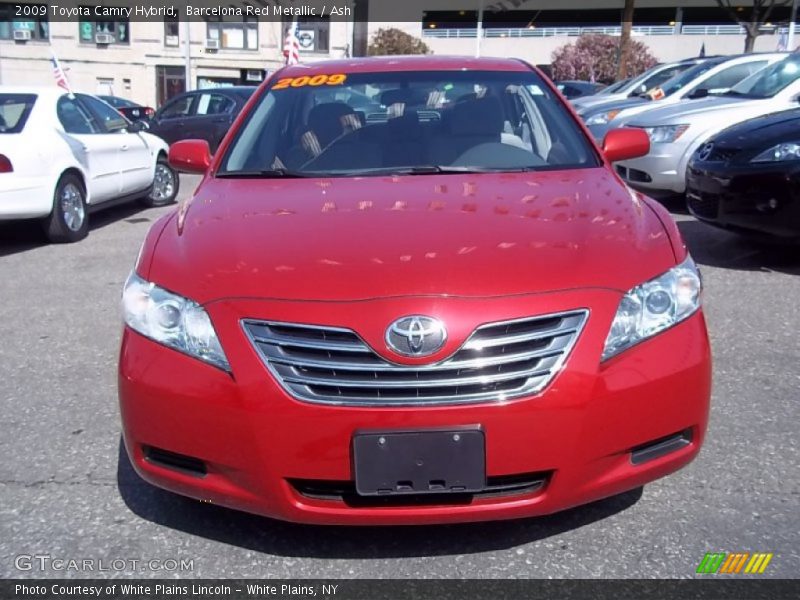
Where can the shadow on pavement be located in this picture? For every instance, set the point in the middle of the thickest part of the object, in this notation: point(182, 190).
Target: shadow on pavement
point(719, 248)
point(21, 236)
point(286, 539)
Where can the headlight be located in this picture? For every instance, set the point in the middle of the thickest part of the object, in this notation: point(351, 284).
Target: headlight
point(665, 134)
point(603, 118)
point(779, 153)
point(654, 306)
point(171, 320)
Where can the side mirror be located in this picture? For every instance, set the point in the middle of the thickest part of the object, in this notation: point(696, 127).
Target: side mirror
point(190, 156)
point(625, 143)
point(138, 126)
point(699, 93)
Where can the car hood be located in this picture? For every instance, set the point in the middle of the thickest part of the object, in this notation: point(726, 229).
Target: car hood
point(589, 102)
point(691, 110)
point(450, 235)
point(618, 104)
point(761, 132)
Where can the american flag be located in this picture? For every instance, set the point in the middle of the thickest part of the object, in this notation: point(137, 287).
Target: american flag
point(291, 46)
point(58, 73)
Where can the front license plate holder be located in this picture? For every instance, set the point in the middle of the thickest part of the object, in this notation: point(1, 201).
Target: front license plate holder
point(420, 462)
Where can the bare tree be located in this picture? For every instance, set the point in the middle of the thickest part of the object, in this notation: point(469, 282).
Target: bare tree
point(625, 39)
point(752, 18)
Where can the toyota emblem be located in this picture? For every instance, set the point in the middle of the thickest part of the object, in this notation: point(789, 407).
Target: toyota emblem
point(416, 336)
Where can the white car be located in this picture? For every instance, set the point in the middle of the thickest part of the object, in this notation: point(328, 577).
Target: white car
point(645, 82)
point(678, 130)
point(714, 76)
point(62, 156)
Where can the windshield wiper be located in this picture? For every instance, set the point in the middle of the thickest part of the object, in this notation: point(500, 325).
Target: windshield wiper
point(267, 174)
point(439, 169)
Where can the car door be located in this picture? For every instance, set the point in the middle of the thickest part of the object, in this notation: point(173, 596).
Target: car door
point(211, 117)
point(169, 122)
point(135, 161)
point(95, 149)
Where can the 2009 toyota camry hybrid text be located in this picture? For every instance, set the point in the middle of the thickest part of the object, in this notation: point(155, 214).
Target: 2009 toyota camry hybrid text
point(412, 290)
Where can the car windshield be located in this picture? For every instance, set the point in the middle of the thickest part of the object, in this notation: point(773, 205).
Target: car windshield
point(614, 87)
point(14, 111)
point(117, 102)
point(680, 81)
point(769, 81)
point(408, 122)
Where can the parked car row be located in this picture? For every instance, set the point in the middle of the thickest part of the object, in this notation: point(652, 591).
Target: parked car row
point(63, 156)
point(724, 133)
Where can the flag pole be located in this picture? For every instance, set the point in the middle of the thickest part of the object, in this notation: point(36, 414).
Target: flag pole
point(790, 41)
point(479, 30)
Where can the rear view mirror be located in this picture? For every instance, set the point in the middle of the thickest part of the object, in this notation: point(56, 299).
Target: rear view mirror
point(138, 126)
point(625, 143)
point(698, 93)
point(190, 156)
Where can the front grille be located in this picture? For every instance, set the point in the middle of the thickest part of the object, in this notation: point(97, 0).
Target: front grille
point(705, 206)
point(345, 491)
point(499, 361)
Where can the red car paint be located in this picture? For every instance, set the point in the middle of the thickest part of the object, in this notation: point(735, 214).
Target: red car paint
point(360, 252)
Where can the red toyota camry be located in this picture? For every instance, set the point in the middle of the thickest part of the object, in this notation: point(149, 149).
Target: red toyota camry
point(412, 290)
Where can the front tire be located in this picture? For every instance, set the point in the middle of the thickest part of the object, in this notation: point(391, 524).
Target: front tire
point(68, 222)
point(165, 185)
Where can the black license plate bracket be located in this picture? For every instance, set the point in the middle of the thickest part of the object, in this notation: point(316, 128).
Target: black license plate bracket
point(419, 462)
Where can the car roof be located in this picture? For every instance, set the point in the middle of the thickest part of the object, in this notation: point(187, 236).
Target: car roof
point(40, 90)
point(375, 64)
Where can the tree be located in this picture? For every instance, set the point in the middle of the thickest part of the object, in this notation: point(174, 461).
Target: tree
point(752, 18)
point(595, 57)
point(625, 39)
point(395, 41)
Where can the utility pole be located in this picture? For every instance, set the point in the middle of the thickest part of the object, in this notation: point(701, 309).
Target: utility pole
point(790, 41)
point(479, 30)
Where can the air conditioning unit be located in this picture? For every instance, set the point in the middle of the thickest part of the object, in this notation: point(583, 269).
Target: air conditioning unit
point(212, 44)
point(22, 35)
point(103, 38)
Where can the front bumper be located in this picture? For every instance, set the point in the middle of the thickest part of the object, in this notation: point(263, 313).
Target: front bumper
point(661, 171)
point(254, 441)
point(760, 200)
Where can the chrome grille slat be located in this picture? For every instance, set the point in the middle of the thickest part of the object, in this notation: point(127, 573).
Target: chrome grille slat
point(290, 375)
point(497, 362)
point(555, 348)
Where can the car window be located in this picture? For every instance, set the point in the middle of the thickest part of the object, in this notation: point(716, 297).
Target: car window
point(681, 80)
point(14, 111)
point(109, 117)
point(769, 81)
point(213, 104)
point(468, 120)
point(179, 107)
point(733, 75)
point(74, 118)
point(118, 102)
point(657, 79)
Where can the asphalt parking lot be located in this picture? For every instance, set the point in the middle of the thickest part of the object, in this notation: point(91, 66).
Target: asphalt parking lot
point(68, 492)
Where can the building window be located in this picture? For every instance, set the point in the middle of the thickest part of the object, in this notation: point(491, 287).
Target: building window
point(171, 31)
point(105, 31)
point(233, 33)
point(313, 33)
point(33, 19)
point(170, 81)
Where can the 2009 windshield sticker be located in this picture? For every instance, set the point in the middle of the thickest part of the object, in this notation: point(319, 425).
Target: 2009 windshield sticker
point(313, 80)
